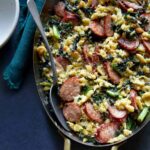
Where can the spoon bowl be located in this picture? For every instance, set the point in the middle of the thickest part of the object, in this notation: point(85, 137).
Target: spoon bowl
point(56, 103)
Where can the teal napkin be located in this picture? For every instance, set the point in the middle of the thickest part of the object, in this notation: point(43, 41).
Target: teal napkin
point(14, 72)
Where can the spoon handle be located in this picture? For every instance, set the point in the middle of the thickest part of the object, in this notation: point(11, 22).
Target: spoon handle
point(35, 14)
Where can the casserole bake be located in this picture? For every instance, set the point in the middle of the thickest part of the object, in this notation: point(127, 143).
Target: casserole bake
point(102, 55)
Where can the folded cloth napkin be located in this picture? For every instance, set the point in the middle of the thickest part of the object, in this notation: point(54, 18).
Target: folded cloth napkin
point(14, 72)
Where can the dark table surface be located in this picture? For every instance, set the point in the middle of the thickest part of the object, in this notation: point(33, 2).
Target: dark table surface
point(24, 124)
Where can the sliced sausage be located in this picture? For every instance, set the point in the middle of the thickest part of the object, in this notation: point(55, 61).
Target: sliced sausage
point(147, 16)
point(146, 45)
point(107, 26)
point(95, 57)
point(94, 3)
point(117, 114)
point(129, 45)
point(132, 5)
point(69, 16)
point(106, 132)
point(92, 114)
point(125, 5)
point(72, 112)
point(85, 54)
point(66, 15)
point(62, 61)
point(69, 89)
point(114, 77)
point(133, 95)
point(122, 5)
point(97, 28)
point(60, 9)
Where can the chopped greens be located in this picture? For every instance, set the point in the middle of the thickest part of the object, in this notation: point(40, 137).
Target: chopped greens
point(131, 124)
point(130, 33)
point(120, 67)
point(97, 97)
point(56, 32)
point(71, 8)
point(85, 89)
point(143, 114)
point(143, 22)
point(112, 93)
point(88, 11)
point(75, 42)
point(63, 27)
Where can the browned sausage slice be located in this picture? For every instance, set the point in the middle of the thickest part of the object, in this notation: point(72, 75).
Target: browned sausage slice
point(146, 45)
point(147, 16)
point(117, 114)
point(69, 16)
point(92, 114)
point(94, 3)
point(122, 5)
point(66, 15)
point(72, 112)
point(132, 5)
point(95, 58)
point(106, 132)
point(60, 9)
point(97, 29)
point(125, 5)
point(133, 95)
point(114, 77)
point(129, 45)
point(69, 89)
point(62, 61)
point(107, 26)
point(85, 54)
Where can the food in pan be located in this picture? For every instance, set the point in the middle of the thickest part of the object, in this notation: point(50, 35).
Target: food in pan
point(102, 54)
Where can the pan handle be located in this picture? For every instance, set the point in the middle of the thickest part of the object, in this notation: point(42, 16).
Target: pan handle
point(116, 147)
point(67, 144)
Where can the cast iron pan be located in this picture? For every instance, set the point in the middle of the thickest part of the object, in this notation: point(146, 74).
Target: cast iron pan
point(45, 98)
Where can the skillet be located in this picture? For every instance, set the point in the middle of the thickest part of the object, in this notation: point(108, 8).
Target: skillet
point(45, 98)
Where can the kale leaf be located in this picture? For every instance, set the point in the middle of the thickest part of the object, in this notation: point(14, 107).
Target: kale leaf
point(85, 89)
point(131, 123)
point(74, 46)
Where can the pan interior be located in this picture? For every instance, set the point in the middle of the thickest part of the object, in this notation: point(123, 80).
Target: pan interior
point(45, 98)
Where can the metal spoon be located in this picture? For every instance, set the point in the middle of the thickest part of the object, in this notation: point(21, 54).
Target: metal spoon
point(53, 94)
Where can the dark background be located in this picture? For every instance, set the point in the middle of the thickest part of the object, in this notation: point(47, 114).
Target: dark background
point(24, 124)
